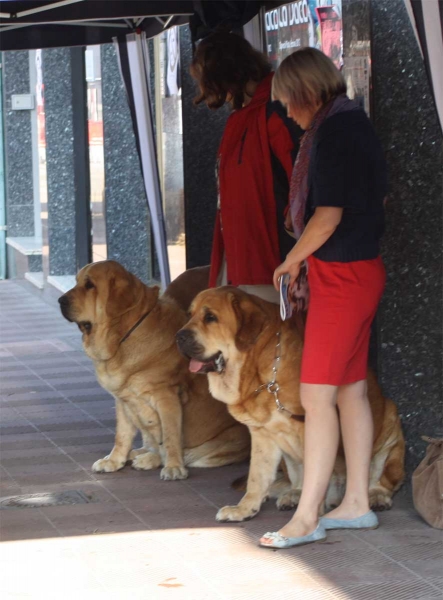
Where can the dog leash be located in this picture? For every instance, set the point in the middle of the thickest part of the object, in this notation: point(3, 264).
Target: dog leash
point(272, 386)
point(139, 322)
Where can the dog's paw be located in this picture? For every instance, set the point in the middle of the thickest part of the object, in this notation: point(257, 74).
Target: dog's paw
point(172, 473)
point(288, 500)
point(108, 465)
point(146, 461)
point(380, 499)
point(235, 514)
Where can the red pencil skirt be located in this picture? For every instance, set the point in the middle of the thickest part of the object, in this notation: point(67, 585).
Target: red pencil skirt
point(343, 301)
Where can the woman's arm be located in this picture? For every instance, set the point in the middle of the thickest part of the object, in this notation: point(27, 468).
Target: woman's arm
point(319, 229)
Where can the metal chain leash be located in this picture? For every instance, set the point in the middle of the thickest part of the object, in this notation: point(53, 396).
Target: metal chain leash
point(272, 387)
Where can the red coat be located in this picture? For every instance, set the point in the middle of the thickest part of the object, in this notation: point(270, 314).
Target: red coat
point(255, 161)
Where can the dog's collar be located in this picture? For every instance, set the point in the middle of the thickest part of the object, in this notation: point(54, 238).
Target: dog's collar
point(134, 327)
point(272, 386)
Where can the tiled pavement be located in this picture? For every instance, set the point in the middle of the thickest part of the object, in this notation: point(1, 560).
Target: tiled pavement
point(138, 537)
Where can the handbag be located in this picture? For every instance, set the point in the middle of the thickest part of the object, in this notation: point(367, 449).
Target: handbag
point(298, 294)
point(427, 484)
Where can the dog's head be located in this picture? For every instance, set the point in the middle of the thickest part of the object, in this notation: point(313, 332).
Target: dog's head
point(104, 293)
point(224, 322)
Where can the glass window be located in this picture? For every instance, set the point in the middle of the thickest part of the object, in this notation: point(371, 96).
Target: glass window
point(96, 155)
point(319, 24)
point(170, 143)
point(315, 23)
point(43, 188)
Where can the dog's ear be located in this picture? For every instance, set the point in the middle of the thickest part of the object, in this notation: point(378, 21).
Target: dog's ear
point(250, 321)
point(122, 294)
point(152, 293)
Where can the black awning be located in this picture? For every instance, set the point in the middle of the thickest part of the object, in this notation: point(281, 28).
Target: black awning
point(28, 24)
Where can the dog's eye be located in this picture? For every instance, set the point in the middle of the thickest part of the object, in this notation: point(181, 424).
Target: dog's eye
point(89, 285)
point(210, 318)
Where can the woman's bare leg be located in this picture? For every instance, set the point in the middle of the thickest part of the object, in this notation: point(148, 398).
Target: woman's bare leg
point(357, 432)
point(320, 451)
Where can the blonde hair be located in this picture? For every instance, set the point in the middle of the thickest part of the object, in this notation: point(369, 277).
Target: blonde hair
point(307, 77)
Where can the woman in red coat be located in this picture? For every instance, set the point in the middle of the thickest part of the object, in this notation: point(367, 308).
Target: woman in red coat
point(254, 164)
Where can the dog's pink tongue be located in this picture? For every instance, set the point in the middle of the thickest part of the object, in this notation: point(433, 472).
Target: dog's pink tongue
point(195, 365)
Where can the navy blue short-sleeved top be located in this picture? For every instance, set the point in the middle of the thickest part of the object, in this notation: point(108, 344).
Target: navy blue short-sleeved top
point(348, 170)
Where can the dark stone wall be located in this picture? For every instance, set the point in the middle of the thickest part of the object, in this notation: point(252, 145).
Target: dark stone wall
point(202, 131)
point(127, 217)
point(410, 317)
point(18, 147)
point(60, 161)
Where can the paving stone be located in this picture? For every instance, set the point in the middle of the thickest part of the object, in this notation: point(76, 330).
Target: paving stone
point(142, 538)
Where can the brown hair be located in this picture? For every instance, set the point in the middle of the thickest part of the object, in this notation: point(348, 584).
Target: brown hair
point(223, 64)
point(307, 77)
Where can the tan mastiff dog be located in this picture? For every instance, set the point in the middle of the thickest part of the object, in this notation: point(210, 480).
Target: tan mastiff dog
point(253, 360)
point(129, 333)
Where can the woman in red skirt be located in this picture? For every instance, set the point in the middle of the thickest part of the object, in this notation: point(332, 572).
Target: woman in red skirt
point(336, 214)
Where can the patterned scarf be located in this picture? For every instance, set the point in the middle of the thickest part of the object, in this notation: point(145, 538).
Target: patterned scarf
point(299, 189)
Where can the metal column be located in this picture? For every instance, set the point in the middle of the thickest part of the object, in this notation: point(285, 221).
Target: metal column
point(83, 224)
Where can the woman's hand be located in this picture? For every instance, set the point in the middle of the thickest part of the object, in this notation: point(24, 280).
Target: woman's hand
point(320, 227)
point(291, 266)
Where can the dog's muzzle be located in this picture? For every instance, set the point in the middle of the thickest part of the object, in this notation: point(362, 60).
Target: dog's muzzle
point(190, 348)
point(64, 306)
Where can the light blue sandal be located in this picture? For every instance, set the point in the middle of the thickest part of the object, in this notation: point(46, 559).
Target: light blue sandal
point(367, 521)
point(280, 541)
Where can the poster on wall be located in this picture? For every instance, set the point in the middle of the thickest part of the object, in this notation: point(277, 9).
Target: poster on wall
point(299, 24)
point(331, 34)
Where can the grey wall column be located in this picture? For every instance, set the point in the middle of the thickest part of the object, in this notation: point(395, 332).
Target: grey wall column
point(18, 142)
point(127, 216)
point(202, 131)
point(411, 313)
point(60, 161)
